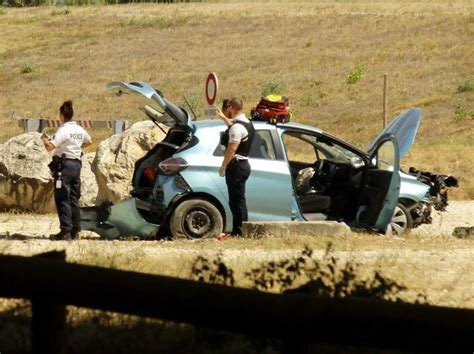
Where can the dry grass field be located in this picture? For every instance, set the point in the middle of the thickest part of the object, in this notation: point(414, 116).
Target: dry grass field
point(306, 50)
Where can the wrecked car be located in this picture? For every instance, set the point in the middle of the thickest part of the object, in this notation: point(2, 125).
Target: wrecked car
point(299, 173)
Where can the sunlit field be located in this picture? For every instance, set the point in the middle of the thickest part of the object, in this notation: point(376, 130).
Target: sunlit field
point(329, 57)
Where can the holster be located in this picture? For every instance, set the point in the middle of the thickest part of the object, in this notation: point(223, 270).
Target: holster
point(56, 165)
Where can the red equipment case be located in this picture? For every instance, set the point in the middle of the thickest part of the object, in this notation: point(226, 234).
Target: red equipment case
point(273, 108)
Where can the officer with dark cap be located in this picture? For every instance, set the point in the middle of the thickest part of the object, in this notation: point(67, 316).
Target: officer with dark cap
point(67, 144)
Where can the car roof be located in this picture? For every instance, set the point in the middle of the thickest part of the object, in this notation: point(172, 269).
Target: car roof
point(212, 123)
point(299, 126)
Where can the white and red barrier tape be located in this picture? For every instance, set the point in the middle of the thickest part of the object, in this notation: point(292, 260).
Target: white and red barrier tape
point(38, 124)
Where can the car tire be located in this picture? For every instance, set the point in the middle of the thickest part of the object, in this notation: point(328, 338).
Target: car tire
point(196, 219)
point(402, 221)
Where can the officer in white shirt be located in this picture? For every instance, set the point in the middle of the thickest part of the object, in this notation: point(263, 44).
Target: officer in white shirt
point(235, 167)
point(67, 144)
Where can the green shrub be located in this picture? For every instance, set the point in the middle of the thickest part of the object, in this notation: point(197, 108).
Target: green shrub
point(314, 83)
point(64, 12)
point(309, 101)
point(272, 88)
point(26, 68)
point(462, 112)
point(467, 86)
point(356, 74)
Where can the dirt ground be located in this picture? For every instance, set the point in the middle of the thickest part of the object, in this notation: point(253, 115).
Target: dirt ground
point(429, 260)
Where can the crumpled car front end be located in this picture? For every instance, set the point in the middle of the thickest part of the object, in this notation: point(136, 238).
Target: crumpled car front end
point(438, 186)
point(422, 191)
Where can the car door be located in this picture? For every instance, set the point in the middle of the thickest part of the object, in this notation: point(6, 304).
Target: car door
point(269, 187)
point(380, 185)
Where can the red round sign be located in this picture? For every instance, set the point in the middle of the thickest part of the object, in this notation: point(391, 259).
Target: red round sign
point(211, 88)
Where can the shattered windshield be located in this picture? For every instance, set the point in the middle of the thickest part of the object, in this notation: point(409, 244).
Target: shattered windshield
point(329, 150)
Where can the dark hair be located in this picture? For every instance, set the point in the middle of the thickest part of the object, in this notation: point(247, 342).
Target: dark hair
point(236, 103)
point(225, 104)
point(66, 110)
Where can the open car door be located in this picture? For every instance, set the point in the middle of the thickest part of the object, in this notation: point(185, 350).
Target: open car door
point(404, 128)
point(381, 185)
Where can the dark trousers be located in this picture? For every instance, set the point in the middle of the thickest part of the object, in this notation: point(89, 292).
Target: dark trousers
point(237, 173)
point(67, 197)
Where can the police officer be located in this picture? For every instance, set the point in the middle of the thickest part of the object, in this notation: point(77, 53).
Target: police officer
point(67, 144)
point(235, 167)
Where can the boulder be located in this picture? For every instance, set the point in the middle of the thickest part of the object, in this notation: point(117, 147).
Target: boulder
point(89, 188)
point(26, 183)
point(116, 156)
point(25, 180)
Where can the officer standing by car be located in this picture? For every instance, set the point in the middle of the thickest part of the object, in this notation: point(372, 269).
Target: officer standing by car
point(67, 144)
point(235, 167)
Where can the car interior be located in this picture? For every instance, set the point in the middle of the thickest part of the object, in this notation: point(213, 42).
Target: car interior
point(327, 178)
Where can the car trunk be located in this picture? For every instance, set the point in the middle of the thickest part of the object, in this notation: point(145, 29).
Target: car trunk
point(147, 168)
point(162, 112)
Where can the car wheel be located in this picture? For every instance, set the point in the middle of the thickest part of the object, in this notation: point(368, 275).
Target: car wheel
point(402, 221)
point(196, 219)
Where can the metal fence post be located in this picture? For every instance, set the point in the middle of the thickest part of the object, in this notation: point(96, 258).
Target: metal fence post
point(48, 319)
point(119, 126)
point(33, 125)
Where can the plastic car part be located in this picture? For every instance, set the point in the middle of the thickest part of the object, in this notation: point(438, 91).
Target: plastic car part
point(122, 219)
point(438, 186)
point(173, 165)
point(150, 174)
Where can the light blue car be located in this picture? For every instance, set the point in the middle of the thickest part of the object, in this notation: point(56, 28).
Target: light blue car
point(298, 173)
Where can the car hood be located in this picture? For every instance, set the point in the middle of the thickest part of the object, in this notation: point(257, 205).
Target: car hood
point(404, 129)
point(155, 105)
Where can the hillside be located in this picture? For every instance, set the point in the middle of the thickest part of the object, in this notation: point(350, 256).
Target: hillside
point(305, 50)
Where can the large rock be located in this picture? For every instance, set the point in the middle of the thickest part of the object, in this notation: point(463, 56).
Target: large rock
point(25, 180)
point(89, 188)
point(290, 228)
point(116, 156)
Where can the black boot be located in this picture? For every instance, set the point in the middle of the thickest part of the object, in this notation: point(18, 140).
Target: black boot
point(75, 233)
point(61, 236)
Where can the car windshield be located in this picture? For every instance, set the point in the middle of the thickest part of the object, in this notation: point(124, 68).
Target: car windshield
point(329, 149)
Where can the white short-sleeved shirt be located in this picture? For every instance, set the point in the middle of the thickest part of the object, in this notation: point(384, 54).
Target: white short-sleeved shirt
point(68, 140)
point(238, 133)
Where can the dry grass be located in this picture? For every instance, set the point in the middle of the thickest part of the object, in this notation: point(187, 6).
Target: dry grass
point(440, 266)
point(305, 48)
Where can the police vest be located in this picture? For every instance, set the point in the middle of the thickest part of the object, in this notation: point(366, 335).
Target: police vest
point(244, 146)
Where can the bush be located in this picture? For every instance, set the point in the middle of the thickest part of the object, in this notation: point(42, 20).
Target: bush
point(356, 74)
point(26, 68)
point(461, 113)
point(64, 12)
point(468, 86)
